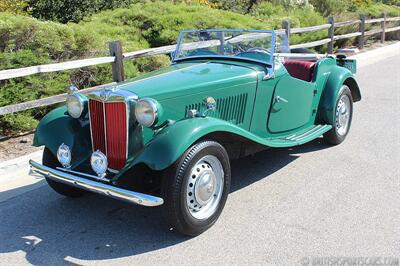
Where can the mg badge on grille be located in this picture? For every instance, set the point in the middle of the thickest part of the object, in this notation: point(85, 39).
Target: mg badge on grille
point(104, 94)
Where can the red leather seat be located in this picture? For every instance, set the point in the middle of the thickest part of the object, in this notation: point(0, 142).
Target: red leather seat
point(300, 69)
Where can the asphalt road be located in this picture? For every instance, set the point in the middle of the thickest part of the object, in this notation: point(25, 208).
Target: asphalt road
point(287, 206)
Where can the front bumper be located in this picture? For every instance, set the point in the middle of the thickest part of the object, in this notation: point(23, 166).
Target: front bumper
point(97, 187)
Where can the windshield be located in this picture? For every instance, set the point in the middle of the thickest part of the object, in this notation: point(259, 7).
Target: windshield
point(242, 44)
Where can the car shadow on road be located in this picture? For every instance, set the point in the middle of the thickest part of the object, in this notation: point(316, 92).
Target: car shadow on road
point(248, 170)
point(54, 230)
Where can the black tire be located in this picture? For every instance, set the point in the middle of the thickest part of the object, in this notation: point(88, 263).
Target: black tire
point(333, 136)
point(175, 209)
point(51, 161)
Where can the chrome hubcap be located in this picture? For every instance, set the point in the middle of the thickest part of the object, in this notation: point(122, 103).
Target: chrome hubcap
point(204, 187)
point(343, 110)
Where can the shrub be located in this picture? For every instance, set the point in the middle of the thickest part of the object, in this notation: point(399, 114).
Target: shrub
point(159, 23)
point(330, 7)
point(71, 10)
point(25, 42)
point(298, 17)
point(376, 10)
point(18, 122)
point(13, 6)
point(290, 4)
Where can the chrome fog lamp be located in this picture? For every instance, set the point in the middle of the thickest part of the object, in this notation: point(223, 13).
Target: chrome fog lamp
point(64, 155)
point(99, 163)
point(76, 104)
point(147, 111)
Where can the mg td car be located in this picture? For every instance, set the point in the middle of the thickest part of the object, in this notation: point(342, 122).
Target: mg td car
point(167, 138)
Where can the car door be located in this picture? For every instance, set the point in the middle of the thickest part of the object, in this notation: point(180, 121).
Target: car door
point(291, 105)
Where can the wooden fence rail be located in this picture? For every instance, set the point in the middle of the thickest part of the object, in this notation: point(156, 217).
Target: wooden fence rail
point(27, 71)
point(117, 56)
point(45, 101)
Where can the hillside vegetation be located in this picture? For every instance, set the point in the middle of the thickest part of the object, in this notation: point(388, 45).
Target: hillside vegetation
point(27, 41)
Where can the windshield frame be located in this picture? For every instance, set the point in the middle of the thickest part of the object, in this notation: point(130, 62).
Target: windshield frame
point(226, 57)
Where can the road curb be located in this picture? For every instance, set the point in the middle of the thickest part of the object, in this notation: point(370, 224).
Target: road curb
point(14, 178)
point(375, 55)
point(19, 162)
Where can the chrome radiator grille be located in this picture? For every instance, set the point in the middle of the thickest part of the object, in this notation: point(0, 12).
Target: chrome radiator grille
point(109, 131)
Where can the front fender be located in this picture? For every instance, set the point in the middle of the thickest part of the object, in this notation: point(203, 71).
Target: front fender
point(337, 78)
point(170, 143)
point(58, 127)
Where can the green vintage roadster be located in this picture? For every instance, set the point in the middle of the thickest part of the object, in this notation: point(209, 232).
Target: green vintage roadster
point(167, 137)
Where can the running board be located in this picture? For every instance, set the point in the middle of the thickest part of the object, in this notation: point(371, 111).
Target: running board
point(301, 137)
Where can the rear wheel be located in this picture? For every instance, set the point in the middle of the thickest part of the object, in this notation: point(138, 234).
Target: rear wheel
point(343, 117)
point(51, 161)
point(195, 189)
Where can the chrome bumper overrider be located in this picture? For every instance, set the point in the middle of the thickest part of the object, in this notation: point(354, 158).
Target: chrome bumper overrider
point(100, 188)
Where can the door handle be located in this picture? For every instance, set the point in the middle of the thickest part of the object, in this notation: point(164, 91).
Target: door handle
point(279, 99)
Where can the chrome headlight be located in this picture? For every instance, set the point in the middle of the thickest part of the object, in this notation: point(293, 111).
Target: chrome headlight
point(99, 162)
point(76, 104)
point(147, 111)
point(64, 155)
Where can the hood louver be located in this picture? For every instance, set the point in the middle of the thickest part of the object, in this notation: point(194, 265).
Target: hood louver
point(231, 108)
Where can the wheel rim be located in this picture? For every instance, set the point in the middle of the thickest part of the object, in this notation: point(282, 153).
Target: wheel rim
point(343, 112)
point(204, 187)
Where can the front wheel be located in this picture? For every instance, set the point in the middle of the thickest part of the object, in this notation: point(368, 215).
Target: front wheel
point(343, 117)
point(195, 189)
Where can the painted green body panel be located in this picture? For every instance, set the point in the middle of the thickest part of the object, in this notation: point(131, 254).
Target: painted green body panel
point(264, 108)
point(245, 107)
point(294, 113)
point(190, 77)
point(334, 79)
point(58, 127)
point(167, 146)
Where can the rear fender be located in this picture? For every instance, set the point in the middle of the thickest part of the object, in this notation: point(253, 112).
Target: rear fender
point(338, 77)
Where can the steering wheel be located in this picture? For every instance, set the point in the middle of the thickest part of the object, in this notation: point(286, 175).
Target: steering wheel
point(257, 53)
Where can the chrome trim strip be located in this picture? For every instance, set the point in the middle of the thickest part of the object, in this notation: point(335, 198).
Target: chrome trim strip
point(97, 187)
point(90, 126)
point(105, 128)
point(112, 94)
point(84, 174)
point(128, 116)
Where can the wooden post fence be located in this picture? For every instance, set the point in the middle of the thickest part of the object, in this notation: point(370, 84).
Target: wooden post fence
point(118, 64)
point(362, 31)
point(383, 27)
point(286, 27)
point(331, 34)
